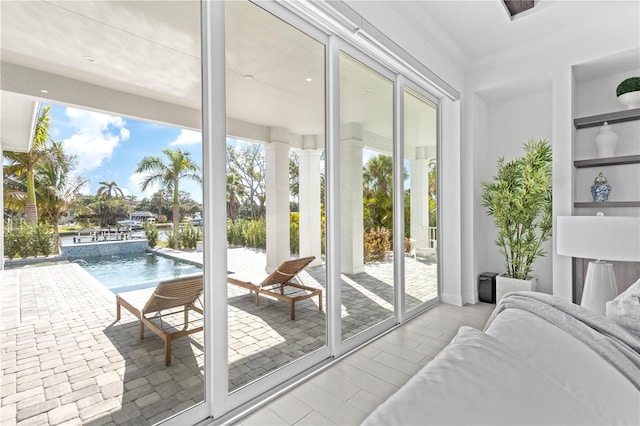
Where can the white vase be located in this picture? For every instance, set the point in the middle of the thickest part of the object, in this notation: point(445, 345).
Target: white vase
point(606, 141)
point(630, 99)
point(505, 284)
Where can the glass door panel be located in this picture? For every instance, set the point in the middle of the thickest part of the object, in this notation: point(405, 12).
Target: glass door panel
point(275, 86)
point(121, 93)
point(366, 198)
point(420, 199)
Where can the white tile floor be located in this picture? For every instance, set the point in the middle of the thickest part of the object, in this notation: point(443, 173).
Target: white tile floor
point(347, 392)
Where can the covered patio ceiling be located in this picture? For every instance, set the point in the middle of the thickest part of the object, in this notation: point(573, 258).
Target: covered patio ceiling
point(141, 59)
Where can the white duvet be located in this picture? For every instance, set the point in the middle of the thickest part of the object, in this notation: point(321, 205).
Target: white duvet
point(522, 371)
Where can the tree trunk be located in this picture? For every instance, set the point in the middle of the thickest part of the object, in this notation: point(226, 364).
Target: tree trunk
point(31, 211)
point(176, 219)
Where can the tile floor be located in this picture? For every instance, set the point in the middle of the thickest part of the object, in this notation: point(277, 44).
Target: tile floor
point(351, 389)
point(63, 359)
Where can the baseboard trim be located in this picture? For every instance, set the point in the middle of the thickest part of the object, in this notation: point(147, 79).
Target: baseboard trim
point(452, 299)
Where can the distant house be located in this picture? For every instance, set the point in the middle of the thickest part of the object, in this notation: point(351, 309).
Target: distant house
point(143, 216)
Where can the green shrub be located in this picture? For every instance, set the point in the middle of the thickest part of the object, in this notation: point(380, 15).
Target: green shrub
point(42, 240)
point(173, 241)
point(189, 236)
point(377, 242)
point(235, 232)
point(294, 232)
point(255, 233)
point(24, 240)
point(11, 243)
point(151, 234)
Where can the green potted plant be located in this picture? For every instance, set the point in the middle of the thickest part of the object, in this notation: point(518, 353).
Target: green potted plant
point(519, 200)
point(628, 92)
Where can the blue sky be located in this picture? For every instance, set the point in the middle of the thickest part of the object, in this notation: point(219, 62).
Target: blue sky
point(109, 148)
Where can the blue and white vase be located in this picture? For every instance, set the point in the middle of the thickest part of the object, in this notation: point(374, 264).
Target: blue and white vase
point(600, 189)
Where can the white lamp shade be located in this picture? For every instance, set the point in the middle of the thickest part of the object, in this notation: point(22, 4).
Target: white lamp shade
point(599, 237)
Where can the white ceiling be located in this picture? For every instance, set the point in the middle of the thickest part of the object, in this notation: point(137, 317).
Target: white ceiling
point(147, 54)
point(478, 32)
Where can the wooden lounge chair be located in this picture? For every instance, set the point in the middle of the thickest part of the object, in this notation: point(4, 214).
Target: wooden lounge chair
point(276, 283)
point(180, 292)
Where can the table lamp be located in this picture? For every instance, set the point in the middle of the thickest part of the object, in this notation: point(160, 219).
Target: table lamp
point(602, 238)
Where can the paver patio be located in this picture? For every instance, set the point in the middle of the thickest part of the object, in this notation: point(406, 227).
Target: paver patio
point(64, 359)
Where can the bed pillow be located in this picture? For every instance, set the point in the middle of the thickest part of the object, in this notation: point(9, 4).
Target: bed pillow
point(625, 309)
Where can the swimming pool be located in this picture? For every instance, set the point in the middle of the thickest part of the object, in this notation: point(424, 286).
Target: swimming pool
point(125, 272)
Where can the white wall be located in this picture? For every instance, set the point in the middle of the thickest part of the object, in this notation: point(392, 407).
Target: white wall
point(517, 80)
point(511, 123)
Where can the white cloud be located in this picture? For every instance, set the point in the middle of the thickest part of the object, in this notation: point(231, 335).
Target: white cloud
point(187, 137)
point(95, 137)
point(133, 187)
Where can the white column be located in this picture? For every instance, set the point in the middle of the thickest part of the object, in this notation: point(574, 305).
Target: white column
point(277, 201)
point(351, 213)
point(419, 182)
point(309, 201)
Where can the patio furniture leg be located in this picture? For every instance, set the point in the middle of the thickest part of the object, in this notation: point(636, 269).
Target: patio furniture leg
point(141, 330)
point(320, 301)
point(256, 297)
point(292, 309)
point(186, 317)
point(118, 311)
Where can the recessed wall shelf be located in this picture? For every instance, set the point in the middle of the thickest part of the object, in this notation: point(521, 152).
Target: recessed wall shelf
point(610, 117)
point(611, 161)
point(606, 204)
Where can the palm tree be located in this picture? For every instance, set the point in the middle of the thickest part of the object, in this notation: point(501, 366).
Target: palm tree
point(109, 189)
point(25, 163)
point(169, 174)
point(57, 189)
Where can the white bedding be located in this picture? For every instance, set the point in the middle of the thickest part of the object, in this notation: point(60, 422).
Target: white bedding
point(523, 370)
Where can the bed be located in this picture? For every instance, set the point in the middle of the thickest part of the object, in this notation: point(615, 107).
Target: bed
point(539, 361)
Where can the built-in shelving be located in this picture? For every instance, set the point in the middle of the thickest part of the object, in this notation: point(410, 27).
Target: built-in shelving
point(611, 161)
point(610, 117)
point(598, 120)
point(606, 204)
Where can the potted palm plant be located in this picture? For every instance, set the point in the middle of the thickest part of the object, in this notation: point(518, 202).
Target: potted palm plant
point(519, 200)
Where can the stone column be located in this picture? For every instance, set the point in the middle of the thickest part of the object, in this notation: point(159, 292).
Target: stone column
point(351, 212)
point(419, 181)
point(309, 200)
point(277, 199)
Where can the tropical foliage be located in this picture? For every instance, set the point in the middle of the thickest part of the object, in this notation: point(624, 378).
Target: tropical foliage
point(377, 242)
point(108, 190)
point(246, 177)
point(25, 163)
point(26, 240)
point(56, 187)
point(168, 173)
point(519, 198)
point(151, 234)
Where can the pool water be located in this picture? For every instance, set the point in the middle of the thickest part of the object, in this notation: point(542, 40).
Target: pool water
point(126, 272)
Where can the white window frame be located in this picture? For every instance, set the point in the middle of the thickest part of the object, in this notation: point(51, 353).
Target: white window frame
point(337, 33)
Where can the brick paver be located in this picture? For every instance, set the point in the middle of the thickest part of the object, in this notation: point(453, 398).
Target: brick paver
point(64, 359)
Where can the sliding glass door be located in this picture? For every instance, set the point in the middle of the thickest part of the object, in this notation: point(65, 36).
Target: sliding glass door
point(420, 146)
point(310, 170)
point(366, 196)
point(275, 110)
